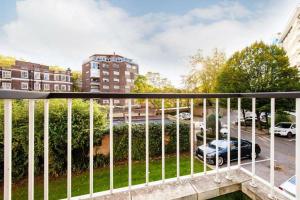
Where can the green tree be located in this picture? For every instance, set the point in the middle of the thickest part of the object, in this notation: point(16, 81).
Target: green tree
point(77, 81)
point(57, 136)
point(7, 61)
point(203, 75)
point(259, 68)
point(142, 85)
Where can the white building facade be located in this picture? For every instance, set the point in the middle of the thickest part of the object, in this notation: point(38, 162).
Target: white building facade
point(290, 38)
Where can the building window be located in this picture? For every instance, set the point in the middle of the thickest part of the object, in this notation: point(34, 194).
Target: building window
point(63, 77)
point(116, 80)
point(105, 65)
point(127, 73)
point(63, 87)
point(116, 87)
point(24, 86)
point(6, 74)
point(69, 88)
point(128, 80)
point(37, 86)
point(46, 76)
point(56, 87)
point(116, 101)
point(105, 73)
point(24, 74)
point(6, 86)
point(68, 78)
point(116, 73)
point(37, 75)
point(105, 87)
point(95, 66)
point(106, 80)
point(46, 87)
point(105, 101)
point(133, 67)
point(116, 66)
point(127, 87)
point(56, 77)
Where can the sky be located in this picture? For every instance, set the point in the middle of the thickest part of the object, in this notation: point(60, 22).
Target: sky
point(159, 35)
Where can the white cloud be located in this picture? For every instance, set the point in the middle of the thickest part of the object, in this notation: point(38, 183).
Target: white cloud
point(65, 32)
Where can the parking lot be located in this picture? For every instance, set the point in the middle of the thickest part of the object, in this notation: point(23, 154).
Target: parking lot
point(284, 153)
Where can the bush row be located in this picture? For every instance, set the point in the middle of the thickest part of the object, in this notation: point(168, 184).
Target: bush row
point(80, 138)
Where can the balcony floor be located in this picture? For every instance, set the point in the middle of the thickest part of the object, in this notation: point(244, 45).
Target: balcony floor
point(197, 188)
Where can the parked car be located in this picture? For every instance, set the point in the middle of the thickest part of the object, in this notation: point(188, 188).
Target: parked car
point(248, 121)
point(224, 129)
point(287, 129)
point(246, 150)
point(184, 116)
point(289, 186)
point(199, 126)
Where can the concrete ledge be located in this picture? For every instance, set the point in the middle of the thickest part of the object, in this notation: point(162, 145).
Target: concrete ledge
point(260, 192)
point(207, 188)
point(198, 188)
point(176, 190)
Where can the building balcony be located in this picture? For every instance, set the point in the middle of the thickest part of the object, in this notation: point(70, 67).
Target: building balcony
point(205, 177)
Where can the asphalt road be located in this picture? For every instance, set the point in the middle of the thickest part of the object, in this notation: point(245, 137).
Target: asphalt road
point(284, 153)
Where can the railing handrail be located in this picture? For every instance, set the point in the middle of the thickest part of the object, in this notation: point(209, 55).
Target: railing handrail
point(17, 94)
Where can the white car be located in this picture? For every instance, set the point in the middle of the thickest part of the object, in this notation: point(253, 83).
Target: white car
point(287, 129)
point(289, 186)
point(184, 116)
point(199, 125)
point(224, 129)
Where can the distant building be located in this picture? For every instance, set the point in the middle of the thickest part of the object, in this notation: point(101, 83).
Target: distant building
point(29, 76)
point(109, 73)
point(156, 80)
point(290, 38)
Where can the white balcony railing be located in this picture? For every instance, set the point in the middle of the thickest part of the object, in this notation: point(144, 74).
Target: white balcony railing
point(8, 96)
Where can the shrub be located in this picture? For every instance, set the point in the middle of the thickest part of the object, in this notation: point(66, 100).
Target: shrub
point(57, 136)
point(282, 117)
point(211, 125)
point(80, 138)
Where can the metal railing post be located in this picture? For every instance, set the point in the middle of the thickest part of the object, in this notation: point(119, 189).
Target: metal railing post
point(147, 141)
point(69, 136)
point(31, 151)
point(163, 139)
point(192, 136)
point(253, 154)
point(7, 148)
point(217, 179)
point(239, 132)
point(91, 147)
point(177, 140)
point(129, 145)
point(271, 195)
point(46, 149)
point(111, 150)
point(204, 134)
point(297, 148)
point(228, 140)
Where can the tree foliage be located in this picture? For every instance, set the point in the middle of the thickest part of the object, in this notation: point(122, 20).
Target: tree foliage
point(77, 81)
point(203, 75)
point(259, 68)
point(7, 61)
point(57, 136)
point(142, 85)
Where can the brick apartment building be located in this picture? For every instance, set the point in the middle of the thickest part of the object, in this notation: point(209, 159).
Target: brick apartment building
point(109, 73)
point(29, 76)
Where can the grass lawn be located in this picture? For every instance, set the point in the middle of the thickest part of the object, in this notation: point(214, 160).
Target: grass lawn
point(80, 182)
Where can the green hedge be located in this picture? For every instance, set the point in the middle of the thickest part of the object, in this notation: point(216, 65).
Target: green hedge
point(155, 141)
point(57, 136)
point(80, 138)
